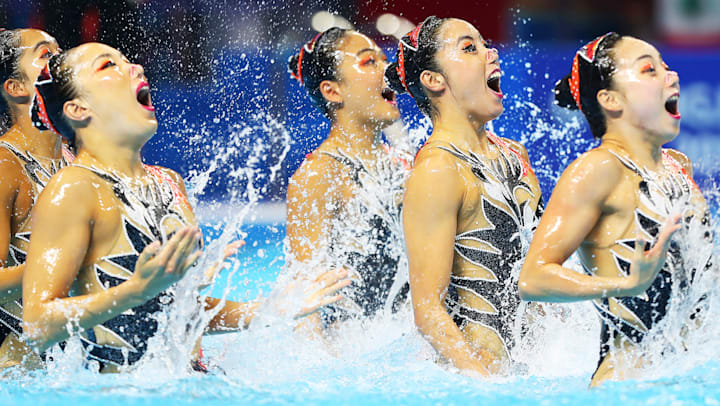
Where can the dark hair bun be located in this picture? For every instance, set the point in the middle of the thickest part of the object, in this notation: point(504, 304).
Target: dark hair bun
point(392, 79)
point(563, 95)
point(293, 66)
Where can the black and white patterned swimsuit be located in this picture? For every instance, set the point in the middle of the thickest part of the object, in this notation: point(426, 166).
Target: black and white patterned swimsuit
point(38, 171)
point(657, 200)
point(367, 237)
point(491, 255)
point(150, 213)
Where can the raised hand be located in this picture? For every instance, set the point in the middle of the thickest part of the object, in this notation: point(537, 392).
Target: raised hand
point(159, 267)
point(303, 296)
point(211, 272)
point(232, 248)
point(646, 265)
point(323, 291)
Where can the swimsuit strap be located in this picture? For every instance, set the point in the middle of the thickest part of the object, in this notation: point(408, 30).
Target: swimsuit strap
point(67, 154)
point(670, 161)
point(526, 168)
point(396, 158)
point(162, 176)
point(19, 155)
point(356, 165)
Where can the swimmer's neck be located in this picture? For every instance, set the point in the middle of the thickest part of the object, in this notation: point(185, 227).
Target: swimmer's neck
point(642, 148)
point(465, 132)
point(100, 151)
point(353, 136)
point(26, 137)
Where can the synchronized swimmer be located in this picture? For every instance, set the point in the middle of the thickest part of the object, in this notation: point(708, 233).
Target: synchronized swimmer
point(121, 233)
point(469, 193)
point(343, 203)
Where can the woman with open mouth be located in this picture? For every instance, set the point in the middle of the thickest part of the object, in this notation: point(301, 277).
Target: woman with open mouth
point(343, 203)
point(620, 204)
point(112, 236)
point(28, 158)
point(472, 199)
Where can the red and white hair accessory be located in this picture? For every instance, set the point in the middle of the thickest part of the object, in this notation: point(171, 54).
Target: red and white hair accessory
point(309, 48)
point(587, 53)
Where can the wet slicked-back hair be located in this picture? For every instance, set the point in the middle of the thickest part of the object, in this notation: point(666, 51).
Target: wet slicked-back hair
point(53, 88)
point(10, 53)
point(416, 53)
point(316, 62)
point(593, 69)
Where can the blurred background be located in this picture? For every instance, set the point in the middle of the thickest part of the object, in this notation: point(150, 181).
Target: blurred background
point(219, 75)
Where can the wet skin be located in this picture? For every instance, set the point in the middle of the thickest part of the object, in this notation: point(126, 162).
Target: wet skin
point(77, 219)
point(319, 189)
point(17, 190)
point(443, 196)
point(593, 204)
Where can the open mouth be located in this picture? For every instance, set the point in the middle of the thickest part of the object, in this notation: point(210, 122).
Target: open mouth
point(493, 82)
point(389, 96)
point(142, 94)
point(671, 105)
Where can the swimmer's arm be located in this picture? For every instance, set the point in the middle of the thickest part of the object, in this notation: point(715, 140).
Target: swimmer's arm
point(574, 208)
point(433, 198)
point(62, 226)
point(61, 234)
point(233, 316)
point(10, 277)
point(310, 202)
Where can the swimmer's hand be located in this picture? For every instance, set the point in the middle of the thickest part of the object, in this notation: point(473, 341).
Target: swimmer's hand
point(311, 295)
point(646, 265)
point(323, 291)
point(158, 267)
point(212, 272)
point(233, 248)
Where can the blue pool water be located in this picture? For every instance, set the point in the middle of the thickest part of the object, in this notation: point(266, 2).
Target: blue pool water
point(385, 363)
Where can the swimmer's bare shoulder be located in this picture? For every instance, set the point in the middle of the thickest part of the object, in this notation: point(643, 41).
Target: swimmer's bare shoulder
point(435, 174)
point(72, 189)
point(64, 215)
point(682, 160)
point(317, 174)
point(592, 177)
point(10, 170)
point(313, 196)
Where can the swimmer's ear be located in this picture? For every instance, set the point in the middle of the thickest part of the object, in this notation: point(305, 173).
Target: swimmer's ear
point(433, 81)
point(331, 91)
point(609, 100)
point(76, 110)
point(15, 89)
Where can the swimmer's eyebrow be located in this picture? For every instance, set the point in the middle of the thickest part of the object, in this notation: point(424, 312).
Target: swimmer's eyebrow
point(41, 43)
point(470, 37)
point(365, 50)
point(644, 56)
point(105, 55)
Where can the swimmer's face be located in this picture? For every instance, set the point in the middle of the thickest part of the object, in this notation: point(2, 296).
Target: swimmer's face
point(37, 48)
point(362, 85)
point(471, 69)
point(114, 93)
point(647, 90)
